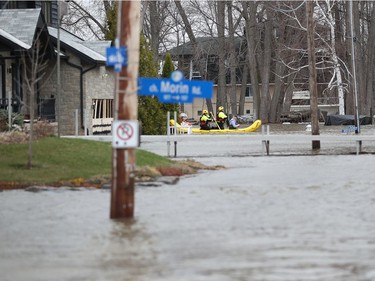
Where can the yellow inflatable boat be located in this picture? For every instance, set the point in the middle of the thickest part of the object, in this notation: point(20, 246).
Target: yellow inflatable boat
point(185, 130)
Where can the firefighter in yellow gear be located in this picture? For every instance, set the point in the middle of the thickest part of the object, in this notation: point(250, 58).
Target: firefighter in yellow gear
point(205, 120)
point(221, 117)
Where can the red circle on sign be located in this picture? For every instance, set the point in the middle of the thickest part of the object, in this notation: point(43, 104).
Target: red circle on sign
point(124, 131)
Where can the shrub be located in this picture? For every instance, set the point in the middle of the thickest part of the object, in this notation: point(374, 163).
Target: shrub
point(44, 129)
point(17, 119)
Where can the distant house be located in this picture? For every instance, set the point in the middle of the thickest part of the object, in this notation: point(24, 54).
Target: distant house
point(203, 62)
point(87, 85)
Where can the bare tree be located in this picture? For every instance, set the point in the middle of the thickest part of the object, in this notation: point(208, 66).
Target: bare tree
point(249, 14)
point(221, 84)
point(34, 65)
point(159, 23)
point(277, 100)
point(328, 17)
point(371, 61)
point(88, 19)
point(233, 64)
point(312, 72)
point(266, 70)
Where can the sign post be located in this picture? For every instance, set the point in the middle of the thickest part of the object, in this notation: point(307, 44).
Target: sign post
point(125, 134)
point(125, 129)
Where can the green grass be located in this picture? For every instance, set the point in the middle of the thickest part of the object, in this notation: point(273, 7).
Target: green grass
point(61, 159)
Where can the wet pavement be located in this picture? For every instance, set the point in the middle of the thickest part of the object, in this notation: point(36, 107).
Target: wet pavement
point(277, 217)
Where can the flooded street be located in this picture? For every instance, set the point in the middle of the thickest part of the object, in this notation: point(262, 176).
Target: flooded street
point(262, 218)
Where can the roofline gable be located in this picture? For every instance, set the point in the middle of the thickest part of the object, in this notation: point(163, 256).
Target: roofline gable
point(14, 36)
point(11, 40)
point(76, 46)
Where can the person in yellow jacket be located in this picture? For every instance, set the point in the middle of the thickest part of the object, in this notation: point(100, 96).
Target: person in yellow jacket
point(221, 117)
point(205, 120)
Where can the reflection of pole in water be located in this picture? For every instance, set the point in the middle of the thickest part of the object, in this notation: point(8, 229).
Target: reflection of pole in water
point(356, 116)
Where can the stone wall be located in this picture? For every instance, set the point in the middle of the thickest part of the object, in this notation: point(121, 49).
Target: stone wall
point(97, 83)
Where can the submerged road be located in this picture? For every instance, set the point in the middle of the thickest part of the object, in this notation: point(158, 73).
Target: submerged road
point(296, 217)
point(291, 139)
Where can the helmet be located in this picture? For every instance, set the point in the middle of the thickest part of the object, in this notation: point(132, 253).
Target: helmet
point(221, 108)
point(205, 111)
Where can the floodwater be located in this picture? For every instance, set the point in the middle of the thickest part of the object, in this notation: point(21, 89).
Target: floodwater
point(262, 218)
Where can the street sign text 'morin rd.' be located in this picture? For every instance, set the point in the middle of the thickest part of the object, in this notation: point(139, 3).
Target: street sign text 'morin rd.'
point(176, 89)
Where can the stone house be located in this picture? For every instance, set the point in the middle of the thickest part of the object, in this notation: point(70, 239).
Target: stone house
point(87, 86)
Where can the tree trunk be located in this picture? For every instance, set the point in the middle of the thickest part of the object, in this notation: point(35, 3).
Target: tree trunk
point(233, 63)
point(312, 72)
point(155, 28)
point(288, 94)
point(359, 56)
point(277, 100)
point(249, 14)
point(278, 96)
point(266, 71)
point(221, 87)
point(245, 73)
point(370, 63)
point(335, 59)
point(31, 132)
point(349, 100)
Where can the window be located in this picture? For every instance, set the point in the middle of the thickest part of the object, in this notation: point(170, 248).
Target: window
point(17, 81)
point(212, 59)
point(247, 111)
point(102, 116)
point(102, 108)
point(249, 92)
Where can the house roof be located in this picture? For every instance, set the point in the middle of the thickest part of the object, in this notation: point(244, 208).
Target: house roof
point(19, 26)
point(205, 45)
point(84, 48)
point(98, 46)
point(10, 38)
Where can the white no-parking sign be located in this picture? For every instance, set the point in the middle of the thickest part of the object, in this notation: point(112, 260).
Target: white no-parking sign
point(125, 133)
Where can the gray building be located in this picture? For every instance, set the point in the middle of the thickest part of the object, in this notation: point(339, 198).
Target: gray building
point(87, 85)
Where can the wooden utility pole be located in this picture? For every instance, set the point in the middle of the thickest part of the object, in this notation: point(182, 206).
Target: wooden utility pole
point(312, 72)
point(126, 108)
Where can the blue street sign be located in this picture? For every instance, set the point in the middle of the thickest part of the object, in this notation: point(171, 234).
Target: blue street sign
point(117, 57)
point(176, 89)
